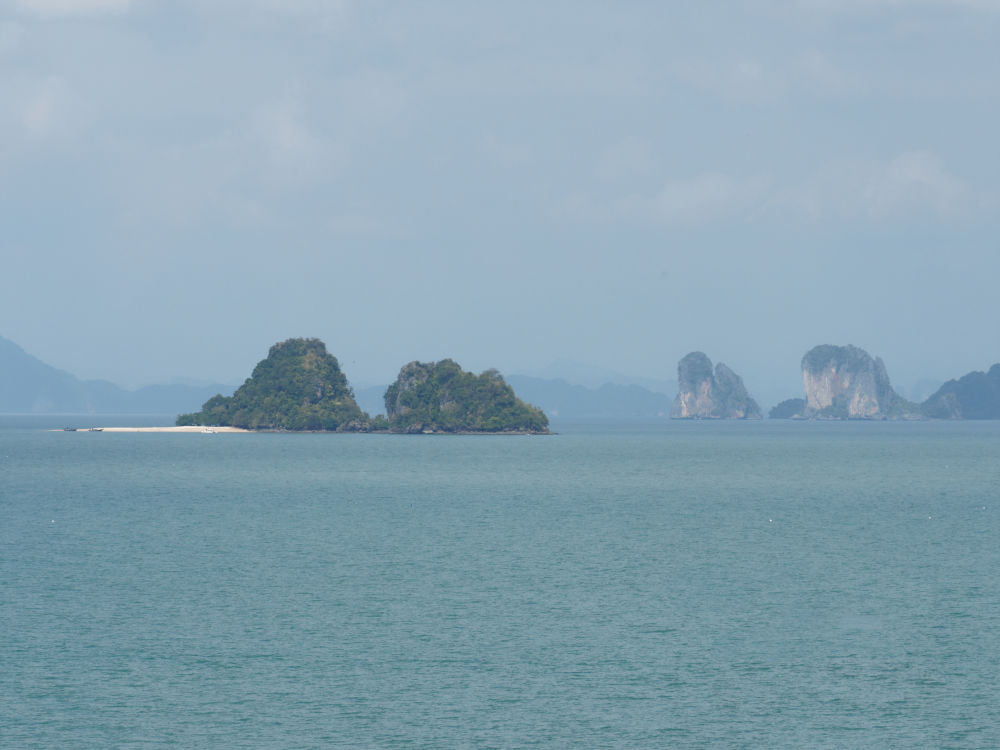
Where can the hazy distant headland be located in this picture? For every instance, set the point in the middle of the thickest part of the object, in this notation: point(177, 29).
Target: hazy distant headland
point(973, 396)
point(29, 386)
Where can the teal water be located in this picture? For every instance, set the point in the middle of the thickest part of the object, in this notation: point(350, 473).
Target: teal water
point(675, 584)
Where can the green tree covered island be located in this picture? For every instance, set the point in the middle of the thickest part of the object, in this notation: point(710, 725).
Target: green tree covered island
point(298, 387)
point(441, 397)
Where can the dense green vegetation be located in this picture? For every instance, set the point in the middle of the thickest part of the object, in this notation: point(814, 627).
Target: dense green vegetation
point(787, 409)
point(441, 397)
point(693, 369)
point(844, 357)
point(298, 387)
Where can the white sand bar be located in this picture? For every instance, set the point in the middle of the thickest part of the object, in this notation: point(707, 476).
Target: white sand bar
point(193, 429)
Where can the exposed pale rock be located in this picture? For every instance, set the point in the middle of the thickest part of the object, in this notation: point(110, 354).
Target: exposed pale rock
point(706, 394)
point(845, 382)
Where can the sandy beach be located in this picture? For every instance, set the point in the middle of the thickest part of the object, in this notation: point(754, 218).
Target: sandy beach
point(192, 429)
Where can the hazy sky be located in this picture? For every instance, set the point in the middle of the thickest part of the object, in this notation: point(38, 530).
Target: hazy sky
point(184, 183)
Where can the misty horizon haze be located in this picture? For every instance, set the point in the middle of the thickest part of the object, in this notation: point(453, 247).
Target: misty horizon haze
point(184, 184)
point(566, 371)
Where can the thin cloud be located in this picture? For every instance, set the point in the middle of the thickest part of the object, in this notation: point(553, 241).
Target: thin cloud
point(506, 154)
point(703, 198)
point(291, 147)
point(358, 224)
point(912, 182)
point(753, 81)
point(11, 37)
point(306, 7)
point(911, 185)
point(853, 6)
point(37, 111)
point(238, 178)
point(327, 16)
point(628, 157)
point(73, 7)
point(746, 80)
point(915, 183)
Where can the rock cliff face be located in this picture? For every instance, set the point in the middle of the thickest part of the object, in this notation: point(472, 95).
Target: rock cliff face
point(973, 396)
point(845, 382)
point(441, 397)
point(704, 394)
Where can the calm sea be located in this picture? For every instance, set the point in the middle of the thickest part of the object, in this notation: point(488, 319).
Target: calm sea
point(678, 584)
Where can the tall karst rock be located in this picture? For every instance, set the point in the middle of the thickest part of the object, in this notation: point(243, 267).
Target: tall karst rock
point(845, 382)
point(706, 394)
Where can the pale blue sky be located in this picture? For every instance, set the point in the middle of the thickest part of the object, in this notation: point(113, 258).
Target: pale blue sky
point(184, 183)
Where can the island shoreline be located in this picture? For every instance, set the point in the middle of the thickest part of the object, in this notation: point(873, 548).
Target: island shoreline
point(211, 430)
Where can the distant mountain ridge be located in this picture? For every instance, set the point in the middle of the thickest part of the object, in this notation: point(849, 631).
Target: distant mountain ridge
point(594, 377)
point(29, 386)
point(562, 400)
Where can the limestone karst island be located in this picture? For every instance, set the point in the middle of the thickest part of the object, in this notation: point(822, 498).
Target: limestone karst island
point(300, 387)
point(838, 382)
point(706, 394)
point(846, 382)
